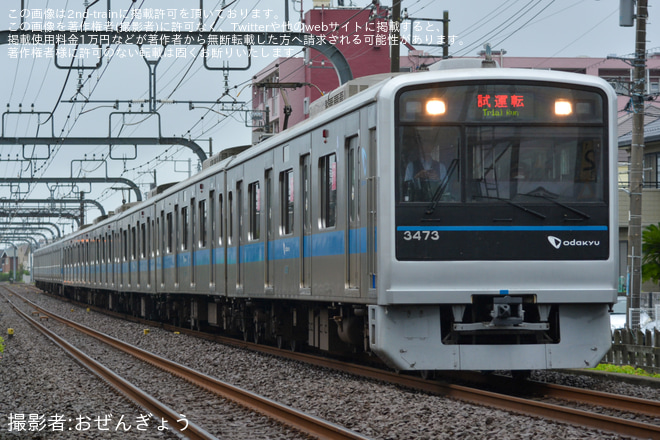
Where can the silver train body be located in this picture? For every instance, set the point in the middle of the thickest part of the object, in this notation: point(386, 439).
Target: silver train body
point(323, 236)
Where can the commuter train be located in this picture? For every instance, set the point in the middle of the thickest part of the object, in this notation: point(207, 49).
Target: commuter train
point(462, 219)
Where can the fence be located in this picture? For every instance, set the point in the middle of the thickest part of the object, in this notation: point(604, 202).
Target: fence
point(637, 348)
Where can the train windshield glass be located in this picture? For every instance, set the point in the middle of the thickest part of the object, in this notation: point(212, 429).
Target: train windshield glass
point(549, 163)
point(486, 142)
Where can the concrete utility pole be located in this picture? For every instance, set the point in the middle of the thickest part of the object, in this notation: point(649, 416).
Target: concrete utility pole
point(638, 90)
point(395, 37)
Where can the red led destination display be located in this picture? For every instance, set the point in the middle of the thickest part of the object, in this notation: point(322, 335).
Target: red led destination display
point(501, 105)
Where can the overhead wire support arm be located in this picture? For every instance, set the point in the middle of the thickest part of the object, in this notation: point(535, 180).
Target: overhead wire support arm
point(40, 213)
point(28, 227)
point(196, 148)
point(12, 231)
point(35, 224)
point(122, 180)
point(96, 203)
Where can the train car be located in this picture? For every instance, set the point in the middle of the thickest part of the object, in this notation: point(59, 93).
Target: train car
point(450, 220)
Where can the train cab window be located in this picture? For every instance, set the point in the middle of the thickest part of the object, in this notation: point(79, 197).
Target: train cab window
point(328, 175)
point(429, 164)
point(287, 201)
point(254, 195)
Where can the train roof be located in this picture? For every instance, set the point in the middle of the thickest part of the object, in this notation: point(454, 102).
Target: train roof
point(388, 85)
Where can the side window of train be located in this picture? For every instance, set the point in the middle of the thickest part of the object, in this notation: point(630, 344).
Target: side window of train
point(328, 173)
point(184, 229)
point(287, 201)
point(143, 240)
point(202, 223)
point(230, 219)
point(254, 195)
point(124, 243)
point(221, 223)
point(192, 221)
point(170, 232)
point(133, 242)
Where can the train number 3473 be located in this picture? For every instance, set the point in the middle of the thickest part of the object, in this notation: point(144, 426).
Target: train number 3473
point(421, 235)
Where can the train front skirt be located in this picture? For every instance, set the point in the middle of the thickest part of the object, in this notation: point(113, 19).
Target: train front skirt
point(408, 337)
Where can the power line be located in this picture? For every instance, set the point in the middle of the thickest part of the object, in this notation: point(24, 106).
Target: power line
point(501, 27)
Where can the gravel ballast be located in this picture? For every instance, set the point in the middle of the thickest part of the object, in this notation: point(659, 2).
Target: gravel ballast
point(374, 409)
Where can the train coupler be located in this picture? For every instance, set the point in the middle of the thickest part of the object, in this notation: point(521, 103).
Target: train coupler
point(507, 311)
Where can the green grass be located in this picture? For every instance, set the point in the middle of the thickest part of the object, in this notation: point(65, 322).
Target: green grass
point(625, 369)
point(2, 345)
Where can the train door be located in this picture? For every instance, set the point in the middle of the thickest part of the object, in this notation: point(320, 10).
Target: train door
point(210, 237)
point(221, 275)
point(230, 253)
point(124, 258)
point(269, 232)
point(133, 268)
point(201, 260)
point(160, 249)
point(175, 248)
point(132, 265)
point(239, 236)
point(372, 183)
point(151, 262)
point(111, 260)
point(145, 270)
point(143, 247)
point(353, 233)
point(306, 213)
point(193, 244)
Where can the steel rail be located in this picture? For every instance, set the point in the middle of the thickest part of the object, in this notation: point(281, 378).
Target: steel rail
point(591, 397)
point(301, 421)
point(472, 395)
point(135, 394)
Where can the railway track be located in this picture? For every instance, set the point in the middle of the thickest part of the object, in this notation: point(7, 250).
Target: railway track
point(308, 425)
point(563, 412)
point(535, 403)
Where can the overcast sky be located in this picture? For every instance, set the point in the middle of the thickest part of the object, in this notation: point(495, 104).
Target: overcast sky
point(545, 28)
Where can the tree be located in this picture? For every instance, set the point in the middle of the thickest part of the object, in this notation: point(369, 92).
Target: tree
point(651, 253)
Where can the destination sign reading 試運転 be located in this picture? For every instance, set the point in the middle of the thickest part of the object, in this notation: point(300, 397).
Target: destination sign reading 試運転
point(501, 105)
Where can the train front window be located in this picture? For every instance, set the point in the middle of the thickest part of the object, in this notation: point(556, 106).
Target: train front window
point(548, 163)
point(486, 142)
point(429, 163)
point(480, 164)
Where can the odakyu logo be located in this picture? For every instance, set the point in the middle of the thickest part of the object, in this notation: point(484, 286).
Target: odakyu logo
point(558, 242)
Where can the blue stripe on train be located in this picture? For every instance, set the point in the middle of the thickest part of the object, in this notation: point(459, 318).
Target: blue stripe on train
point(318, 245)
point(501, 228)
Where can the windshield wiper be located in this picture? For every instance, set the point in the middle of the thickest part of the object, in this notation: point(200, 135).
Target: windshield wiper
point(521, 207)
point(442, 187)
point(544, 194)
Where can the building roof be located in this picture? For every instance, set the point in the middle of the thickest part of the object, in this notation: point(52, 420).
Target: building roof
point(651, 124)
point(8, 253)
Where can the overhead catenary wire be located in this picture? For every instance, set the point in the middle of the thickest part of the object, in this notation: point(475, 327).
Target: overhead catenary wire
point(500, 28)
